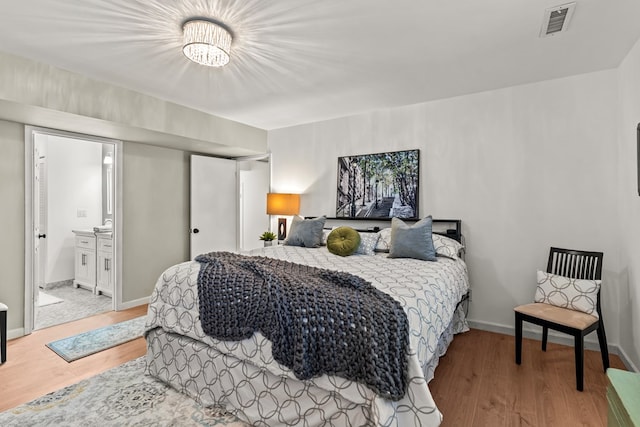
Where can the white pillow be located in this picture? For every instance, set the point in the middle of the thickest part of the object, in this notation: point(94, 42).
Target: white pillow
point(368, 242)
point(384, 240)
point(574, 294)
point(446, 246)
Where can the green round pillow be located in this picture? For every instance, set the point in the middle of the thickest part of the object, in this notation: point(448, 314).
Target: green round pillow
point(343, 241)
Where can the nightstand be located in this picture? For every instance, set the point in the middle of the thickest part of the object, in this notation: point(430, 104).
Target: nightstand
point(623, 397)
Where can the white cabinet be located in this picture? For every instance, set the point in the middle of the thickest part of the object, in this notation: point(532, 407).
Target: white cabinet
point(85, 260)
point(104, 274)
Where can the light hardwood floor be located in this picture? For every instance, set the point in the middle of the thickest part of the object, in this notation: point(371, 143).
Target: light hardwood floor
point(477, 382)
point(32, 369)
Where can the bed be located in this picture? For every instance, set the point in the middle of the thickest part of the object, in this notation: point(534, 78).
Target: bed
point(244, 377)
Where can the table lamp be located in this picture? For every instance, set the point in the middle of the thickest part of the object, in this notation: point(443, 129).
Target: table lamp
point(283, 204)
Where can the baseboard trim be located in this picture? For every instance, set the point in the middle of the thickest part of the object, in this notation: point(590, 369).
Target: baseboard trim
point(15, 333)
point(134, 303)
point(534, 332)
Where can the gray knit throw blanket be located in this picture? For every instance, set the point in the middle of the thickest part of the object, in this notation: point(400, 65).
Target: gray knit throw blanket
point(318, 321)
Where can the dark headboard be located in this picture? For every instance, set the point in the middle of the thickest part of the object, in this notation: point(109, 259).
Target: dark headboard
point(447, 227)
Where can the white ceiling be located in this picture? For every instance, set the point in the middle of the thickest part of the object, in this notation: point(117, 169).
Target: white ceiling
point(299, 61)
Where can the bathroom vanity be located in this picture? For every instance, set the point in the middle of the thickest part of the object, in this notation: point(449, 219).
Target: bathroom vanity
point(94, 261)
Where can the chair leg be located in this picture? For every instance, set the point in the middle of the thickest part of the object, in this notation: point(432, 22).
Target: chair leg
point(604, 350)
point(3, 336)
point(545, 335)
point(518, 338)
point(579, 350)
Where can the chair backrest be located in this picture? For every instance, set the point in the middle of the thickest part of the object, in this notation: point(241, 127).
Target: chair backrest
point(575, 264)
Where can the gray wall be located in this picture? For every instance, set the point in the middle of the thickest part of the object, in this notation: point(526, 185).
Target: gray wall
point(156, 215)
point(12, 220)
point(155, 223)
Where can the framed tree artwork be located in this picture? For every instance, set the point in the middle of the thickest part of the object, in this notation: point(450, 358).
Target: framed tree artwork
point(381, 185)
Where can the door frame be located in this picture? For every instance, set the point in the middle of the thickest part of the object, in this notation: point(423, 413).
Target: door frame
point(29, 261)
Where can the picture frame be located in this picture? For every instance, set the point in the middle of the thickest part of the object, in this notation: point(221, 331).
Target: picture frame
point(379, 185)
point(638, 156)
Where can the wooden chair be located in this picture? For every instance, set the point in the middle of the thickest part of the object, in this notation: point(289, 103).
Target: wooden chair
point(576, 265)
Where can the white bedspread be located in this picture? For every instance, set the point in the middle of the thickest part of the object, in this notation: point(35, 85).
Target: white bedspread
point(428, 291)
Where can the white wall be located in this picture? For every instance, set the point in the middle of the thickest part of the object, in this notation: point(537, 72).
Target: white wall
point(525, 168)
point(74, 173)
point(628, 295)
point(253, 186)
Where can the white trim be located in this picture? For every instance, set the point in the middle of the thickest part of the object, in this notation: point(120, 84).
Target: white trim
point(118, 216)
point(28, 231)
point(15, 333)
point(135, 303)
point(29, 132)
point(627, 361)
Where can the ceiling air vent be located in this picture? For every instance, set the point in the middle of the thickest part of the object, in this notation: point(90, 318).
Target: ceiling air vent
point(556, 19)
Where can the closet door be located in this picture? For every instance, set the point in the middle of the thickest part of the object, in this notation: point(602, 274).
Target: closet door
point(214, 205)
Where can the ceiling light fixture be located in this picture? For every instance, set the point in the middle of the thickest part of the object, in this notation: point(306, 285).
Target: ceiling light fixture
point(206, 42)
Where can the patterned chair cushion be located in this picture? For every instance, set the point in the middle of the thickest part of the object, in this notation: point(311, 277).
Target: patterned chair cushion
point(574, 294)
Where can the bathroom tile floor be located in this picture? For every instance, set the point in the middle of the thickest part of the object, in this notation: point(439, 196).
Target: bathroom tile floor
point(77, 303)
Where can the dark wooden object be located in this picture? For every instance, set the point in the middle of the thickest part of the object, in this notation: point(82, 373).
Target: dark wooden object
point(577, 265)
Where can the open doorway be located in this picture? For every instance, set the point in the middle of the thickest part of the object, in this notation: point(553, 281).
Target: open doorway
point(71, 196)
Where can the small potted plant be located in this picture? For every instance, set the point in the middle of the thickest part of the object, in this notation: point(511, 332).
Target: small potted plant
point(268, 237)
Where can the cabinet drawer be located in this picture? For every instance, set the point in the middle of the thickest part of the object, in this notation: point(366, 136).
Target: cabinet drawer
point(105, 245)
point(85, 242)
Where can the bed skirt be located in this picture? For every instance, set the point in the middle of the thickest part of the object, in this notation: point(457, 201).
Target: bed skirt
point(261, 398)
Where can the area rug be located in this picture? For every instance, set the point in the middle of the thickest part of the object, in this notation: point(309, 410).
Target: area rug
point(86, 343)
point(46, 299)
point(123, 396)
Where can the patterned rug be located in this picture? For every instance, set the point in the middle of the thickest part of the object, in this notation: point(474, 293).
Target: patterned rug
point(123, 396)
point(86, 343)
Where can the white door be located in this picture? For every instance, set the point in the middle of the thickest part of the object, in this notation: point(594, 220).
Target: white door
point(254, 186)
point(214, 203)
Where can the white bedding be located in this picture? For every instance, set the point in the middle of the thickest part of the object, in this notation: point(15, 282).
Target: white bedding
point(428, 291)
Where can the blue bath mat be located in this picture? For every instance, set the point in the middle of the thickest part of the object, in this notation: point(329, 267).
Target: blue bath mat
point(86, 343)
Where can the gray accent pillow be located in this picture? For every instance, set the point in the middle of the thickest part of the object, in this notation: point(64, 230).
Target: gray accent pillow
point(413, 241)
point(306, 232)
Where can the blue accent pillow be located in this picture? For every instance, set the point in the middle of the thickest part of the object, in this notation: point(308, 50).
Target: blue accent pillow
point(413, 241)
point(306, 232)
